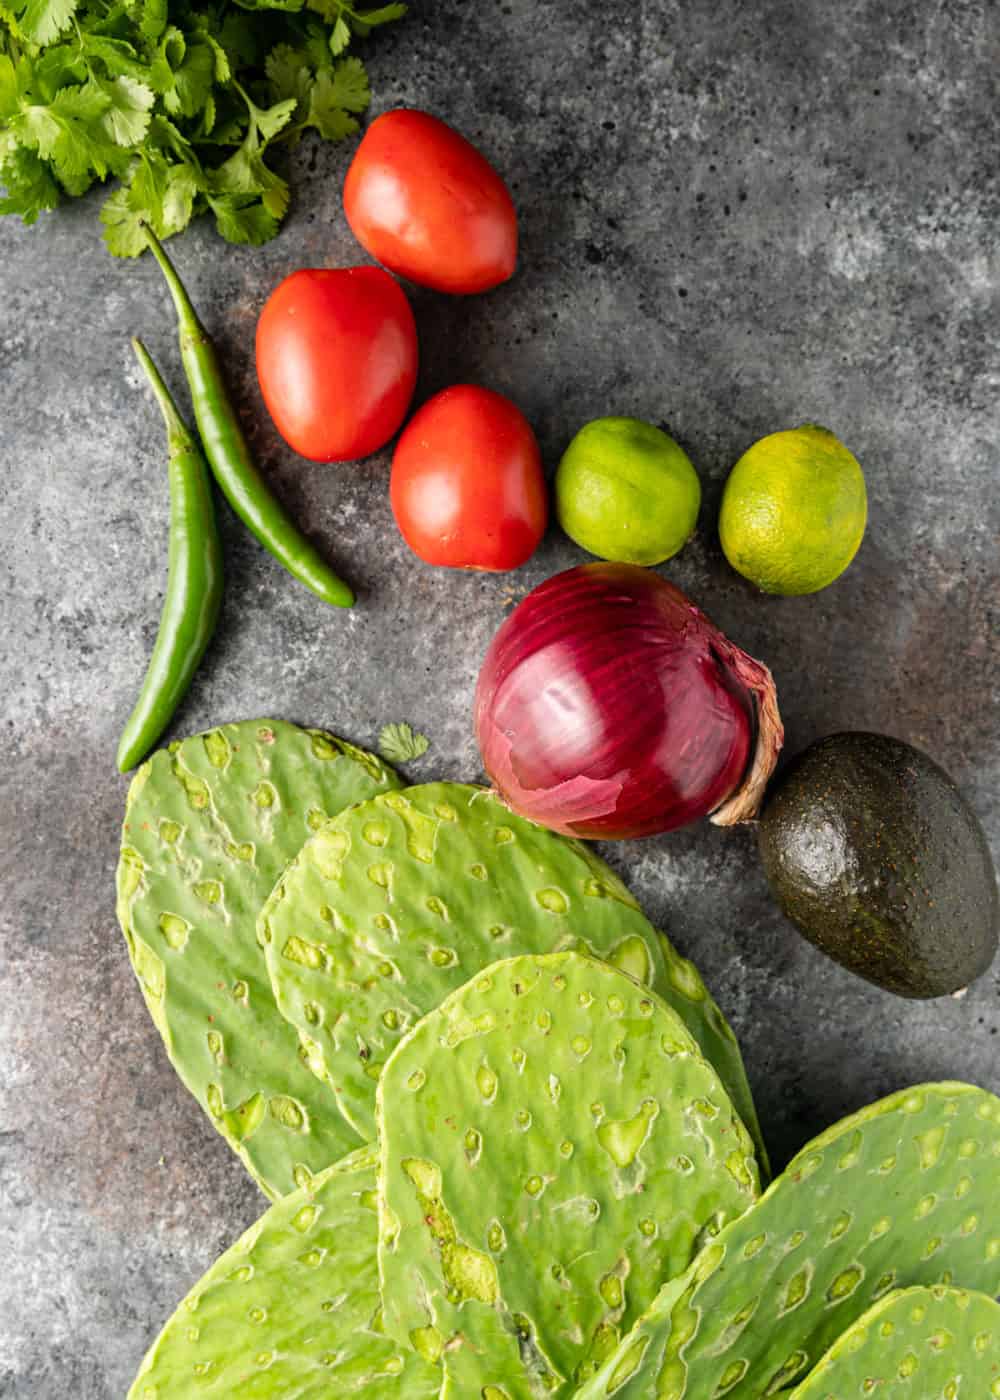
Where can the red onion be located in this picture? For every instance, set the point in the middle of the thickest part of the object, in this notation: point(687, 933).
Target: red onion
point(609, 706)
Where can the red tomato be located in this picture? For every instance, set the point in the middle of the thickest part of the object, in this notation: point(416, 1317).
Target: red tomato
point(467, 488)
point(423, 201)
point(337, 360)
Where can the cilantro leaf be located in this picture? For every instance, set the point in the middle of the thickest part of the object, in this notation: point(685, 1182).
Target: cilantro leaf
point(127, 118)
point(80, 105)
point(206, 125)
point(163, 194)
point(243, 220)
point(179, 99)
point(365, 20)
point(289, 72)
point(29, 185)
point(315, 44)
point(9, 18)
point(166, 135)
point(123, 225)
point(59, 66)
point(289, 5)
point(324, 99)
point(10, 94)
point(245, 173)
point(159, 194)
point(65, 132)
point(190, 81)
point(169, 55)
point(326, 112)
point(223, 69)
point(241, 40)
point(270, 120)
point(42, 21)
point(178, 200)
point(329, 9)
point(349, 85)
point(398, 743)
point(153, 19)
point(119, 58)
point(228, 133)
point(340, 36)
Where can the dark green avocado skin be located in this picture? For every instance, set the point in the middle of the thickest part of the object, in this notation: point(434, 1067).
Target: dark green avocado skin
point(876, 857)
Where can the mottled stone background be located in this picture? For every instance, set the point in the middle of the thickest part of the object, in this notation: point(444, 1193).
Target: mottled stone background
point(735, 217)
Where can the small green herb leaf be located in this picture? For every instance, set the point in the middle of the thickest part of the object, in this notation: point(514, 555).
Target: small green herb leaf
point(326, 113)
point(192, 80)
point(120, 59)
point(349, 85)
point(123, 226)
point(152, 19)
point(42, 21)
point(223, 70)
point(30, 188)
point(126, 120)
point(243, 220)
point(384, 14)
point(9, 90)
point(340, 36)
point(289, 72)
point(398, 743)
point(271, 120)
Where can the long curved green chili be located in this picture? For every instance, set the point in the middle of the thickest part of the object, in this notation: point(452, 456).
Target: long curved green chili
point(229, 456)
point(194, 582)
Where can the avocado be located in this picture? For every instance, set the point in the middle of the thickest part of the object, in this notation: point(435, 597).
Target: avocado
point(876, 857)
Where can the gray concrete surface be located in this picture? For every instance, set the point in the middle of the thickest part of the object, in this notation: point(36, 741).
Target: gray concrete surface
point(735, 217)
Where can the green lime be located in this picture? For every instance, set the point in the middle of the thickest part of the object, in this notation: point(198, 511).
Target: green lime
point(793, 511)
point(626, 492)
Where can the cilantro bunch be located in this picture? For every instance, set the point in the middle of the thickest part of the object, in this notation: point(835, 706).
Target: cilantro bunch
point(182, 100)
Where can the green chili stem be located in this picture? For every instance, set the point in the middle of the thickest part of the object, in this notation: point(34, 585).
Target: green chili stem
point(194, 582)
point(229, 455)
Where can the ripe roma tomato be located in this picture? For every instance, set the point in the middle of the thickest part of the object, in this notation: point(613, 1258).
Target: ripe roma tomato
point(337, 360)
point(467, 488)
point(423, 201)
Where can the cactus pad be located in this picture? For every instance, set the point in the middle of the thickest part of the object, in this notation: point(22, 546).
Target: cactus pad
point(901, 1193)
point(397, 902)
point(209, 825)
point(552, 1146)
point(291, 1311)
point(931, 1343)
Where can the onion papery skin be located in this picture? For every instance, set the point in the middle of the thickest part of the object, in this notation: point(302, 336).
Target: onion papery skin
point(609, 706)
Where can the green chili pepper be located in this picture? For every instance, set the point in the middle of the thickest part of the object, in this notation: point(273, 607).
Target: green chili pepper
point(194, 582)
point(229, 456)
